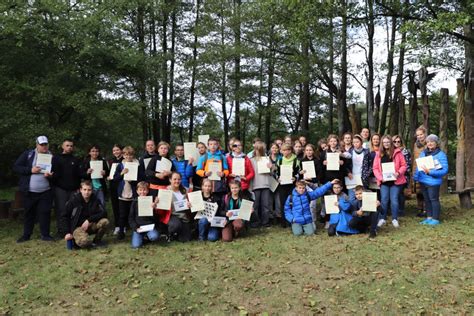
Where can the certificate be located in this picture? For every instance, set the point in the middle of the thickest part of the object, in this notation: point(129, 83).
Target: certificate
point(262, 165)
point(197, 203)
point(44, 161)
point(286, 174)
point(163, 165)
point(273, 184)
point(369, 201)
point(165, 197)
point(427, 162)
point(330, 204)
point(132, 173)
point(190, 150)
point(245, 210)
point(234, 214)
point(145, 205)
point(97, 166)
point(218, 221)
point(356, 180)
point(209, 211)
point(113, 168)
point(332, 161)
point(146, 162)
point(388, 171)
point(238, 166)
point(180, 206)
point(308, 166)
point(203, 139)
point(214, 168)
point(146, 228)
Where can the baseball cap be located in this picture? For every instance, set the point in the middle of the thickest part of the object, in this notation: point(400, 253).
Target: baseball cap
point(42, 140)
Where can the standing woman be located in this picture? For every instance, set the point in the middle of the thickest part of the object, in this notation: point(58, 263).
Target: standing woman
point(431, 179)
point(346, 142)
point(113, 184)
point(159, 180)
point(99, 186)
point(360, 163)
point(389, 190)
point(261, 187)
point(365, 133)
point(298, 150)
point(196, 181)
point(312, 183)
point(398, 143)
point(374, 146)
point(274, 155)
point(248, 169)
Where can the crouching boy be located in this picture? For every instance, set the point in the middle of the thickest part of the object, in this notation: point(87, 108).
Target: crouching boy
point(361, 220)
point(84, 216)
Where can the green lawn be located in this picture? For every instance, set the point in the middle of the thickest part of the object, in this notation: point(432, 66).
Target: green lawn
point(414, 270)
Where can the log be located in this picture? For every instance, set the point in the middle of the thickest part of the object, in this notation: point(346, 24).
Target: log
point(465, 198)
point(460, 135)
point(443, 131)
point(16, 210)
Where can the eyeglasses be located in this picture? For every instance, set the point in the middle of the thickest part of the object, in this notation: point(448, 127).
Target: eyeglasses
point(236, 145)
point(397, 141)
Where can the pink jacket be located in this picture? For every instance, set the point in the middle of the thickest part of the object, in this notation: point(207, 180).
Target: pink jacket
point(400, 167)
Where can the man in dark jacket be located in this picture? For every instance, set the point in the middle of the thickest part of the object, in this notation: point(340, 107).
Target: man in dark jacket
point(84, 216)
point(35, 187)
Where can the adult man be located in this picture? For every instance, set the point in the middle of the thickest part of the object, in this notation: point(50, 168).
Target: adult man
point(150, 152)
point(66, 178)
point(35, 187)
point(84, 215)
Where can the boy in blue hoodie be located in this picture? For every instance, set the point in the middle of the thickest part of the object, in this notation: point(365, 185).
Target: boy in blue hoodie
point(297, 207)
point(339, 223)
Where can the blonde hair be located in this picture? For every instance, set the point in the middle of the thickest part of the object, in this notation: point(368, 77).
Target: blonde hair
point(129, 150)
point(163, 143)
point(260, 148)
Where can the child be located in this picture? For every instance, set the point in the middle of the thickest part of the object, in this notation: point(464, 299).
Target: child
point(159, 180)
point(136, 221)
point(205, 231)
point(117, 158)
point(297, 207)
point(339, 223)
point(232, 201)
point(99, 185)
point(196, 181)
point(361, 220)
point(248, 169)
point(182, 166)
point(261, 188)
point(179, 226)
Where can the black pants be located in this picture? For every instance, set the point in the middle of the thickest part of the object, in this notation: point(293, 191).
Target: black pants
point(61, 197)
point(284, 191)
point(37, 205)
point(124, 211)
point(363, 223)
point(115, 202)
point(176, 226)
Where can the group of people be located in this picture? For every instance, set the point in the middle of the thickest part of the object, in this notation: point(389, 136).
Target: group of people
point(283, 181)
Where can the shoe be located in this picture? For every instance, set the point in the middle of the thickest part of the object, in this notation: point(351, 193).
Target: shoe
point(22, 239)
point(372, 235)
point(99, 244)
point(421, 213)
point(425, 222)
point(47, 238)
point(381, 222)
point(433, 222)
point(116, 230)
point(326, 226)
point(120, 235)
point(395, 223)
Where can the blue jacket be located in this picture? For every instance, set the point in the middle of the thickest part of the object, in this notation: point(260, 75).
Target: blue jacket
point(22, 167)
point(184, 169)
point(435, 177)
point(343, 218)
point(300, 212)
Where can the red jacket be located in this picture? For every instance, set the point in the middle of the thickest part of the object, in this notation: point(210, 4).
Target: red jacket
point(400, 167)
point(249, 173)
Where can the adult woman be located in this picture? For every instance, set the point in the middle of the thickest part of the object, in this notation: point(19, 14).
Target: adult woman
point(360, 164)
point(274, 155)
point(365, 133)
point(431, 179)
point(398, 143)
point(99, 185)
point(373, 149)
point(179, 226)
point(390, 182)
point(298, 150)
point(237, 153)
point(116, 159)
point(261, 187)
point(346, 142)
point(159, 179)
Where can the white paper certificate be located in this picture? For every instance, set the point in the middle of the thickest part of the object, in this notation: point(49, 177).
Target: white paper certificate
point(286, 173)
point(44, 161)
point(356, 180)
point(238, 166)
point(273, 184)
point(113, 168)
point(330, 204)
point(180, 206)
point(245, 210)
point(145, 207)
point(214, 168)
point(234, 214)
point(308, 166)
point(97, 166)
point(146, 228)
point(132, 173)
point(197, 203)
point(163, 165)
point(165, 198)
point(208, 212)
point(146, 162)
point(203, 139)
point(388, 170)
point(369, 201)
point(332, 161)
point(190, 150)
point(218, 221)
point(262, 165)
point(427, 162)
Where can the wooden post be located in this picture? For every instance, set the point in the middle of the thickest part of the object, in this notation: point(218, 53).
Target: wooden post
point(464, 196)
point(443, 131)
point(424, 78)
point(401, 117)
point(413, 113)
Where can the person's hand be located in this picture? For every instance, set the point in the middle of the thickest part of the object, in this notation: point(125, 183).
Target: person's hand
point(336, 203)
point(228, 214)
point(166, 173)
point(102, 173)
point(188, 204)
point(325, 162)
point(269, 165)
point(243, 178)
point(426, 170)
point(157, 200)
point(90, 170)
point(378, 203)
point(396, 174)
point(36, 169)
point(124, 171)
point(191, 160)
point(251, 210)
point(350, 176)
point(85, 225)
point(293, 179)
point(341, 162)
point(208, 173)
point(139, 229)
point(68, 237)
point(231, 175)
point(160, 175)
point(220, 173)
point(335, 181)
point(303, 171)
point(359, 213)
point(48, 174)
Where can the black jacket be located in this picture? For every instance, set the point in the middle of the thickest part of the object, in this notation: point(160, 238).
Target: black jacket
point(22, 167)
point(141, 161)
point(66, 172)
point(74, 208)
point(150, 172)
point(136, 221)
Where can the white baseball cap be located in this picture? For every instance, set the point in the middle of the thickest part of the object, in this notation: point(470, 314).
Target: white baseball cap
point(42, 140)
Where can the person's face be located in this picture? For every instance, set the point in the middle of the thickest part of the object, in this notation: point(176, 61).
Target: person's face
point(86, 192)
point(142, 191)
point(175, 180)
point(324, 146)
point(288, 141)
point(163, 150)
point(236, 147)
point(206, 187)
point(279, 142)
point(300, 189)
point(67, 147)
point(302, 140)
point(347, 139)
point(337, 188)
point(179, 151)
point(42, 148)
point(308, 151)
point(376, 141)
point(297, 148)
point(356, 143)
point(128, 156)
point(431, 145)
point(213, 145)
point(420, 136)
point(358, 195)
point(275, 150)
point(333, 143)
point(286, 152)
point(201, 149)
point(386, 143)
point(234, 189)
point(117, 152)
point(150, 147)
point(94, 153)
point(364, 133)
point(397, 142)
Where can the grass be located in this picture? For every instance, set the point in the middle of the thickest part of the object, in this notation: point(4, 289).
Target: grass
point(412, 270)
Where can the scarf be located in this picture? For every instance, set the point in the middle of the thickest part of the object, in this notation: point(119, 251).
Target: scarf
point(432, 153)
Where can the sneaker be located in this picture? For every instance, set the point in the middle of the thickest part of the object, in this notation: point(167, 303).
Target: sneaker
point(381, 222)
point(326, 226)
point(395, 223)
point(372, 235)
point(433, 222)
point(47, 238)
point(22, 239)
point(116, 230)
point(425, 222)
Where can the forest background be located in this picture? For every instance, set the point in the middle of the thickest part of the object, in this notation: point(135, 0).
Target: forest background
point(102, 72)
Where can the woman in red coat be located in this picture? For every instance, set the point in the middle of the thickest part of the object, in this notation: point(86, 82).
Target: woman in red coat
point(249, 173)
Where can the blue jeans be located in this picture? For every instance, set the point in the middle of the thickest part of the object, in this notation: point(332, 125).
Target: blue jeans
point(206, 232)
point(389, 194)
point(298, 229)
point(137, 238)
point(100, 196)
point(431, 199)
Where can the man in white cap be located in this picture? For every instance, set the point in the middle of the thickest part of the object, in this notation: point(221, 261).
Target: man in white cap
point(34, 168)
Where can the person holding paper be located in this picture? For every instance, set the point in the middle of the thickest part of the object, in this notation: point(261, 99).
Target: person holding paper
point(113, 184)
point(361, 166)
point(99, 184)
point(260, 186)
point(35, 188)
point(418, 148)
point(346, 142)
point(365, 134)
point(159, 180)
point(297, 207)
point(303, 141)
point(312, 182)
point(431, 179)
point(183, 166)
point(339, 223)
point(298, 150)
point(389, 190)
point(206, 232)
point(232, 202)
point(84, 216)
point(274, 155)
point(248, 168)
point(137, 222)
point(197, 179)
point(144, 160)
point(398, 143)
point(363, 221)
point(179, 224)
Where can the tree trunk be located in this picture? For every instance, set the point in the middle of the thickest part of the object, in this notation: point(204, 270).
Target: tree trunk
point(141, 86)
point(155, 105)
point(172, 55)
point(164, 73)
point(376, 110)
point(423, 75)
point(305, 93)
point(469, 106)
point(224, 85)
point(464, 197)
point(395, 109)
point(342, 113)
point(331, 75)
point(443, 130)
point(413, 122)
point(259, 99)
point(237, 69)
point(370, 65)
point(388, 83)
point(268, 108)
point(353, 118)
point(193, 74)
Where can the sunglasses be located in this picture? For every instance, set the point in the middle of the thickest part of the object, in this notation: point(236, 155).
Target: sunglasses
point(236, 145)
point(397, 141)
